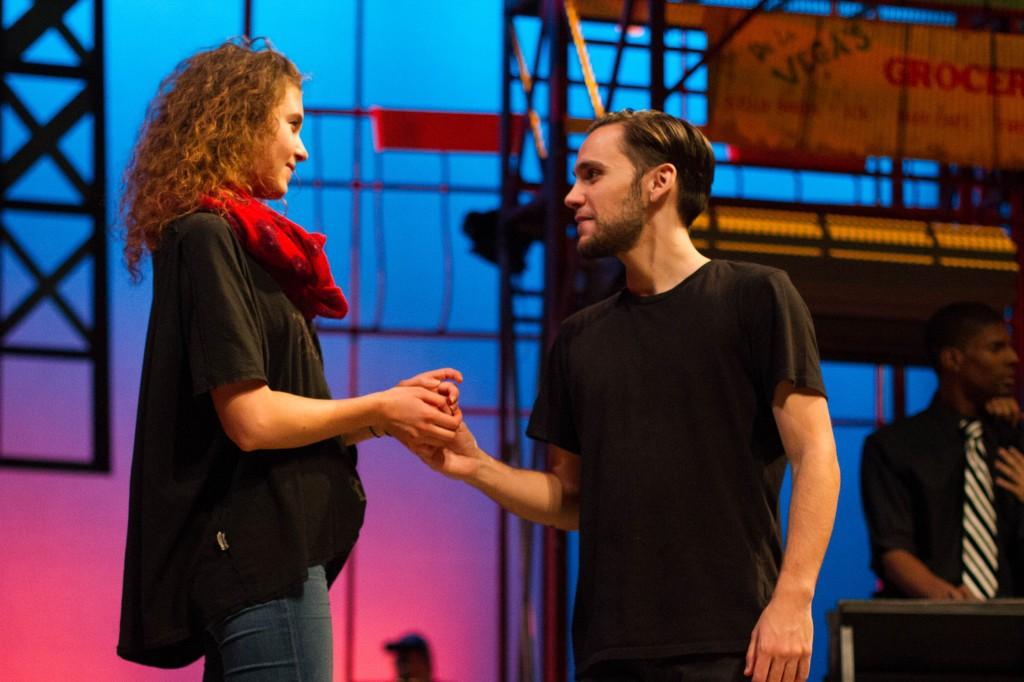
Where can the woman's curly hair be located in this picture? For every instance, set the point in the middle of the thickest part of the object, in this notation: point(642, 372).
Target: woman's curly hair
point(203, 130)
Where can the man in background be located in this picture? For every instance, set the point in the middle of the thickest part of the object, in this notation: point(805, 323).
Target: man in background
point(943, 489)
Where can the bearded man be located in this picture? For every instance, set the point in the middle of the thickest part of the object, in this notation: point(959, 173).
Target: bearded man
point(670, 411)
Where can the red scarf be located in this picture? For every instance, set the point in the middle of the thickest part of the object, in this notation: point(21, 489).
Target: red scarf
point(293, 257)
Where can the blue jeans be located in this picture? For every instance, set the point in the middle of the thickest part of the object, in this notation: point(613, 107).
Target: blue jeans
point(287, 639)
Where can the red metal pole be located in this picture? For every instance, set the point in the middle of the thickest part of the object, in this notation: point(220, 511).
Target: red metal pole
point(558, 290)
point(879, 395)
point(899, 392)
point(1017, 234)
point(348, 662)
point(1016, 201)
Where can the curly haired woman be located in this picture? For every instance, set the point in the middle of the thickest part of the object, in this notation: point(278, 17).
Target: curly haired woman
point(245, 500)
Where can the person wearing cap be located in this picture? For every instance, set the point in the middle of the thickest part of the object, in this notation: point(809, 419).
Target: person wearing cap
point(412, 658)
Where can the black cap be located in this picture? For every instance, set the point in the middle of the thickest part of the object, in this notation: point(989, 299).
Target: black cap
point(411, 641)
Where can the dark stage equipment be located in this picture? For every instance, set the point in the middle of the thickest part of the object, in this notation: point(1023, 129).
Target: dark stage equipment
point(904, 640)
point(871, 280)
point(524, 227)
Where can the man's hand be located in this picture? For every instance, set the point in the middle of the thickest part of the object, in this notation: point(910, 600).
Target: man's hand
point(1010, 466)
point(780, 645)
point(460, 459)
point(945, 590)
point(961, 593)
point(1005, 408)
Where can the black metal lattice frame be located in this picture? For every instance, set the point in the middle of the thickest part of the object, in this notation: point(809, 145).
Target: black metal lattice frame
point(43, 141)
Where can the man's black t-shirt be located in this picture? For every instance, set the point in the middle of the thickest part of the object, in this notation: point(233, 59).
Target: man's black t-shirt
point(668, 400)
point(212, 529)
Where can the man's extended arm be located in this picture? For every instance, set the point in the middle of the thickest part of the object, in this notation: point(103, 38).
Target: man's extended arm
point(548, 497)
point(783, 635)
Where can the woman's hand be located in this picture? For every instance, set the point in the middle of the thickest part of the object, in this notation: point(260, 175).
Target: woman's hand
point(423, 411)
point(440, 381)
point(418, 415)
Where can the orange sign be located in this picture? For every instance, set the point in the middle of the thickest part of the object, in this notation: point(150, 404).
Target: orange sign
point(859, 88)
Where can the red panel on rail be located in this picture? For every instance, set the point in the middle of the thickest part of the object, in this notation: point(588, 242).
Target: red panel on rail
point(795, 160)
point(440, 131)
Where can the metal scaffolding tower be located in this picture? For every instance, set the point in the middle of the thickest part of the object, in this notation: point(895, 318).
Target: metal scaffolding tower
point(550, 80)
point(38, 143)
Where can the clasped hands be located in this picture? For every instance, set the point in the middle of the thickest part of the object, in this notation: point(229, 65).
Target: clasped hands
point(422, 412)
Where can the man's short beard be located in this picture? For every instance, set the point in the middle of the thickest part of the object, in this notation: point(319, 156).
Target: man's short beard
point(618, 233)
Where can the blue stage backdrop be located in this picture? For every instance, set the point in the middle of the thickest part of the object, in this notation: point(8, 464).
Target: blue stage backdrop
point(427, 560)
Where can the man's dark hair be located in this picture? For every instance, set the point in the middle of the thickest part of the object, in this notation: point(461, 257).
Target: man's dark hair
point(652, 137)
point(953, 325)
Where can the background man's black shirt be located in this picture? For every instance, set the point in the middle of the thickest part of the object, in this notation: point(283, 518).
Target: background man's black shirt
point(912, 487)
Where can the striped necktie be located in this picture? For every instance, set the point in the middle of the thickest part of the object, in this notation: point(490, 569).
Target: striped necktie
point(980, 554)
